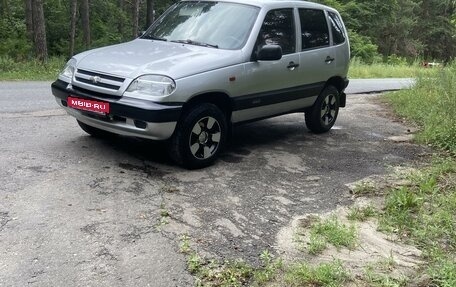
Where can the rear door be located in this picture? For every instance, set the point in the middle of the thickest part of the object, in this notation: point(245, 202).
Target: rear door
point(340, 43)
point(316, 56)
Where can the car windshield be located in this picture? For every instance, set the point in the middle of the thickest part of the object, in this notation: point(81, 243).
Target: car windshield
point(212, 24)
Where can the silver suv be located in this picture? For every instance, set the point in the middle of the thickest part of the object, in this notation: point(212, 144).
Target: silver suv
point(204, 66)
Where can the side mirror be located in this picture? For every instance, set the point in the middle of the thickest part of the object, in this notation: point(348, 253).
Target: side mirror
point(269, 53)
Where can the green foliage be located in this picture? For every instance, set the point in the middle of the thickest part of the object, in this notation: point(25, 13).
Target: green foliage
point(431, 104)
point(396, 60)
point(363, 48)
point(109, 24)
point(407, 28)
point(14, 43)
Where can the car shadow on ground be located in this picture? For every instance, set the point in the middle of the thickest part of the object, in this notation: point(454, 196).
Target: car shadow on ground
point(244, 138)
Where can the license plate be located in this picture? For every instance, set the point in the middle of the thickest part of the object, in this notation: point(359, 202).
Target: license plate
point(88, 105)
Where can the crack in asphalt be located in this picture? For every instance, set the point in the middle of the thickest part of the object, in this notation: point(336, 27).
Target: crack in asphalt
point(4, 220)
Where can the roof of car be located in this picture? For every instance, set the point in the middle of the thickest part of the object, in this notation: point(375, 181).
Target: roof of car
point(266, 3)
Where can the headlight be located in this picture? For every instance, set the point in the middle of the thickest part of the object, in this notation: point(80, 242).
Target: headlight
point(69, 69)
point(149, 86)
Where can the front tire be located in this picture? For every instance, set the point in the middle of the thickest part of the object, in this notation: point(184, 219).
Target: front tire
point(199, 137)
point(323, 114)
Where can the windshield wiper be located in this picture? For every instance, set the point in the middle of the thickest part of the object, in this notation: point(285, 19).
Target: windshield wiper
point(191, 42)
point(153, 37)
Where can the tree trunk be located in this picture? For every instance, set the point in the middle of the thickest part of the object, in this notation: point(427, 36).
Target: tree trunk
point(85, 15)
point(39, 30)
point(73, 11)
point(29, 20)
point(135, 18)
point(150, 12)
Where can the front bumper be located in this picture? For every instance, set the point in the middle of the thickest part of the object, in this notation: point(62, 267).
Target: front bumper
point(128, 116)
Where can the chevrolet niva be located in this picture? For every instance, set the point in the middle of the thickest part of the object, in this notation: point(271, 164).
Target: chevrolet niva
point(204, 66)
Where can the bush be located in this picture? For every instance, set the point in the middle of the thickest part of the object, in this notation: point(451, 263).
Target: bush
point(363, 48)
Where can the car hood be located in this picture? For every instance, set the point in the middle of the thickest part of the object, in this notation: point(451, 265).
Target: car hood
point(140, 57)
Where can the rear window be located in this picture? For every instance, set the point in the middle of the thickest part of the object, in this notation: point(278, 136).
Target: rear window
point(337, 28)
point(314, 29)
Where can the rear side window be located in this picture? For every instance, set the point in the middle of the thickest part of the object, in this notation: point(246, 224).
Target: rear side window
point(337, 28)
point(314, 29)
point(278, 29)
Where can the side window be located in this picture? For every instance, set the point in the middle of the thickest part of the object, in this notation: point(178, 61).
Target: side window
point(278, 29)
point(314, 29)
point(337, 28)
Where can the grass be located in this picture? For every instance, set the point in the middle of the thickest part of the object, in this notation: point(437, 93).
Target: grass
point(431, 104)
point(425, 215)
point(331, 231)
point(230, 273)
point(379, 279)
point(360, 70)
point(34, 70)
point(363, 188)
point(326, 274)
point(422, 214)
point(11, 70)
point(361, 213)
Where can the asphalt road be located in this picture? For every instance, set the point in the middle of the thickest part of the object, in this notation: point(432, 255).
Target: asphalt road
point(36, 96)
point(77, 211)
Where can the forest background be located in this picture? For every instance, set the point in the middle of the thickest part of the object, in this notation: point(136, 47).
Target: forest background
point(389, 31)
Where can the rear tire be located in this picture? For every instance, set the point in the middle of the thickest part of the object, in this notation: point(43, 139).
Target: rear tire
point(95, 132)
point(323, 114)
point(199, 137)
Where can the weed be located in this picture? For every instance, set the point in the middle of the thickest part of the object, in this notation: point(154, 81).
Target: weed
point(194, 262)
point(269, 270)
point(325, 274)
point(333, 232)
point(185, 244)
point(363, 188)
point(164, 216)
point(317, 244)
point(424, 214)
point(361, 213)
point(379, 279)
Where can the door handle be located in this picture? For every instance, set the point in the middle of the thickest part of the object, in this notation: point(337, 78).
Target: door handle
point(329, 60)
point(292, 65)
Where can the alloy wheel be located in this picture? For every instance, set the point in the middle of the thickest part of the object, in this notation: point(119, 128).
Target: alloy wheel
point(205, 138)
point(328, 109)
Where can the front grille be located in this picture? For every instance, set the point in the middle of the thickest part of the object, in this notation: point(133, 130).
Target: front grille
point(99, 80)
point(93, 93)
